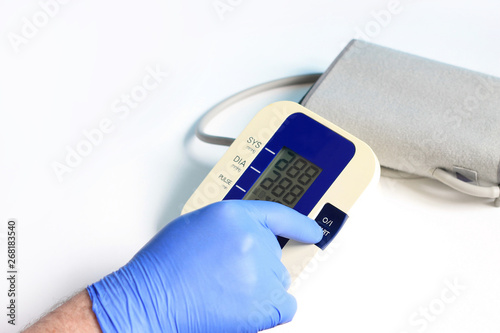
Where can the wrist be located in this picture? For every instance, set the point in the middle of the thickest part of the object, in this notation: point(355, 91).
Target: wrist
point(75, 315)
point(122, 301)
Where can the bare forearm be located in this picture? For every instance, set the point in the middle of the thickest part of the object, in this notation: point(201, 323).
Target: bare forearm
point(75, 315)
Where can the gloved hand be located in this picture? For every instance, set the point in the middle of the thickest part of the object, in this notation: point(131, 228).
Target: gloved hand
point(216, 269)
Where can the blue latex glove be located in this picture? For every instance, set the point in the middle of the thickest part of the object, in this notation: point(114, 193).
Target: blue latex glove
point(217, 269)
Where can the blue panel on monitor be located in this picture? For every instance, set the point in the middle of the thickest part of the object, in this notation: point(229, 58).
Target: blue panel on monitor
point(313, 141)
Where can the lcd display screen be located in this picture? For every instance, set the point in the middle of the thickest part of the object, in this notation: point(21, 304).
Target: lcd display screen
point(285, 180)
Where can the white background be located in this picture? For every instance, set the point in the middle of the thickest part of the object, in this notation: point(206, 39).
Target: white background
point(392, 259)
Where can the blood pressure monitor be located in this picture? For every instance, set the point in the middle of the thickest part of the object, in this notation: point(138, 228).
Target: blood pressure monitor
point(290, 155)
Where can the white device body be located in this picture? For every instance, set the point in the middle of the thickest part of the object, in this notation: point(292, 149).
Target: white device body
point(362, 170)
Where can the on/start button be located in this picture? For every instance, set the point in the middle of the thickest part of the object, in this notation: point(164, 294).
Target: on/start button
point(330, 219)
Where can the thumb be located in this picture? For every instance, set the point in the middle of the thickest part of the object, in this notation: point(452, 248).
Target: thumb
point(285, 222)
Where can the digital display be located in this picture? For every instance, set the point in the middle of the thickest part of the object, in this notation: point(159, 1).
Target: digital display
point(285, 180)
